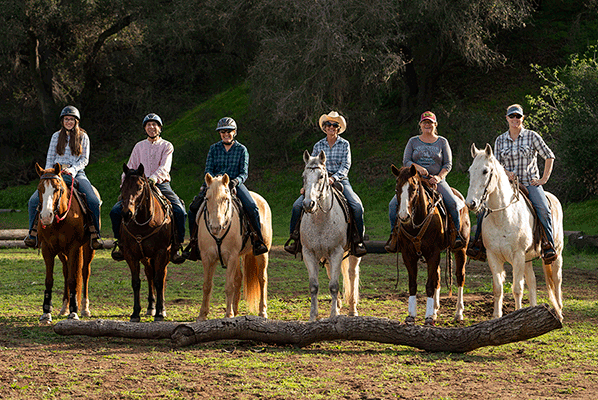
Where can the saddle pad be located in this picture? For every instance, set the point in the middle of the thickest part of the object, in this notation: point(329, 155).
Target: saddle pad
point(343, 202)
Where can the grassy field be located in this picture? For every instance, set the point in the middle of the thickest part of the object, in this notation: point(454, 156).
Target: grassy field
point(37, 363)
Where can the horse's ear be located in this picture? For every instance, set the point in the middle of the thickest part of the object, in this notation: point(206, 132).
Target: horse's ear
point(322, 157)
point(208, 178)
point(488, 149)
point(57, 168)
point(140, 170)
point(474, 150)
point(125, 168)
point(305, 156)
point(394, 170)
point(225, 179)
point(413, 170)
point(40, 170)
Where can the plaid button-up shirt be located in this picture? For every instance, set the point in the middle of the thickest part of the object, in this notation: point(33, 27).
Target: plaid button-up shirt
point(234, 162)
point(520, 155)
point(338, 157)
point(75, 163)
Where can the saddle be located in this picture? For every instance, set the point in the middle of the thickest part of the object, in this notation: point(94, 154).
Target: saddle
point(540, 238)
point(352, 233)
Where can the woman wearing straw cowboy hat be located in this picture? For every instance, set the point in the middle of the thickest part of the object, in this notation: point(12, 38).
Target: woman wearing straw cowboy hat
point(338, 163)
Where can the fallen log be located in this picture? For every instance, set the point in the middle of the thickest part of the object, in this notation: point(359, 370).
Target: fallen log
point(12, 244)
point(519, 325)
point(13, 234)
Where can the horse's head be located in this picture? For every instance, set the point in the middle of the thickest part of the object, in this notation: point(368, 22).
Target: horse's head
point(481, 172)
point(52, 190)
point(315, 180)
point(408, 190)
point(131, 190)
point(219, 202)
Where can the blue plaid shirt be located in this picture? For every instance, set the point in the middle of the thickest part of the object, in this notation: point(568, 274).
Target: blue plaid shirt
point(234, 162)
point(338, 157)
point(521, 155)
point(75, 163)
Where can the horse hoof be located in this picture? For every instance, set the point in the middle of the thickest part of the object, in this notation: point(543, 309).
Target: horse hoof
point(150, 312)
point(135, 319)
point(46, 318)
point(430, 321)
point(353, 314)
point(73, 316)
point(158, 318)
point(86, 313)
point(410, 320)
point(264, 315)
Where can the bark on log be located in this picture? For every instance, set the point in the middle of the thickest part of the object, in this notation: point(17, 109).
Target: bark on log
point(12, 244)
point(13, 234)
point(522, 324)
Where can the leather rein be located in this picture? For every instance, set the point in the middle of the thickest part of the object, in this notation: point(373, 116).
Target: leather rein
point(55, 176)
point(146, 196)
point(423, 226)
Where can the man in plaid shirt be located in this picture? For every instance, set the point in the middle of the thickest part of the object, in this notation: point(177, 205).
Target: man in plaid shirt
point(232, 158)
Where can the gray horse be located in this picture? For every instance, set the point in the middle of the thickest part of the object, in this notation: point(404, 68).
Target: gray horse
point(324, 238)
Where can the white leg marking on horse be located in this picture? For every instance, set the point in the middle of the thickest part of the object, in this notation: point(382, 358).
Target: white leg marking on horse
point(430, 310)
point(460, 306)
point(413, 306)
point(404, 202)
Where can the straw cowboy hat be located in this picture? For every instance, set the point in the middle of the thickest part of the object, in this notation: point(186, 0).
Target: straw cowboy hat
point(333, 116)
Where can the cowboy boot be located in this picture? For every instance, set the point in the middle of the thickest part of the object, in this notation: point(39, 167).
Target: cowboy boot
point(294, 247)
point(392, 243)
point(459, 241)
point(31, 239)
point(476, 249)
point(176, 256)
point(191, 252)
point(548, 251)
point(117, 253)
point(259, 247)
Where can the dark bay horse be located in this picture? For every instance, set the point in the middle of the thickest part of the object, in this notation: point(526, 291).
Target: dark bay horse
point(145, 236)
point(422, 233)
point(62, 233)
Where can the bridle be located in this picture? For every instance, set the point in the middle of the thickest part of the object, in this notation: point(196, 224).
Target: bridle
point(486, 193)
point(51, 176)
point(322, 189)
point(422, 227)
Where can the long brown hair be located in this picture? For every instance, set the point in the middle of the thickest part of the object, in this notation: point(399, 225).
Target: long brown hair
point(75, 138)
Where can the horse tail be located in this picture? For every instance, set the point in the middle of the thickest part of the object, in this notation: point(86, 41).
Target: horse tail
point(350, 283)
point(251, 281)
point(551, 286)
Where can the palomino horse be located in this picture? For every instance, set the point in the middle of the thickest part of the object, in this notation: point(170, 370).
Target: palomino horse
point(422, 233)
point(324, 237)
point(222, 237)
point(145, 237)
point(62, 233)
point(508, 231)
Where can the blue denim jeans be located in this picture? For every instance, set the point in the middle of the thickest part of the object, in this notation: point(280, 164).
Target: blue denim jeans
point(85, 187)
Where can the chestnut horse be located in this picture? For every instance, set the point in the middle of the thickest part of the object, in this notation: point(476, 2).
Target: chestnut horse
point(61, 232)
point(145, 236)
point(221, 237)
point(422, 234)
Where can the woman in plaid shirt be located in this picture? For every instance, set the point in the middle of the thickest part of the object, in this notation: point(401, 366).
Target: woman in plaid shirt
point(338, 162)
point(517, 150)
point(69, 147)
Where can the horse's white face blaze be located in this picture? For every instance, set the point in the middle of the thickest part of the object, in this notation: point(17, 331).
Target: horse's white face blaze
point(46, 214)
point(404, 212)
point(313, 183)
point(218, 204)
point(479, 175)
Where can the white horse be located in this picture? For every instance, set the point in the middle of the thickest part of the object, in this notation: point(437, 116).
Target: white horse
point(324, 237)
point(220, 238)
point(508, 232)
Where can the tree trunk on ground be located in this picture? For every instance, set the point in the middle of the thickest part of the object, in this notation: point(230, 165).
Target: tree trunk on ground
point(522, 324)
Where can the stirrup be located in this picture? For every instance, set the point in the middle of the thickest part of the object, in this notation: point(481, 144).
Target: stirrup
point(30, 241)
point(359, 249)
point(117, 254)
point(292, 248)
point(175, 257)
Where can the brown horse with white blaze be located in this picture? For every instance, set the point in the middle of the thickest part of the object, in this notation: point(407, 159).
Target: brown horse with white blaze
point(422, 233)
point(145, 236)
point(62, 233)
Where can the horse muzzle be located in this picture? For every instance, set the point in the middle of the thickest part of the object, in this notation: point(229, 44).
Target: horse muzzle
point(127, 215)
point(472, 205)
point(309, 206)
point(46, 219)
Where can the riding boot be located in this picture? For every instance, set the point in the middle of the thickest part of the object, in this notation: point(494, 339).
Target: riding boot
point(476, 249)
point(392, 243)
point(117, 253)
point(358, 249)
point(548, 251)
point(257, 240)
point(96, 241)
point(176, 248)
point(31, 239)
point(459, 241)
point(191, 252)
point(294, 247)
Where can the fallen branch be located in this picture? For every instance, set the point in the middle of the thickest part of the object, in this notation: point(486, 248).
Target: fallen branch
point(519, 325)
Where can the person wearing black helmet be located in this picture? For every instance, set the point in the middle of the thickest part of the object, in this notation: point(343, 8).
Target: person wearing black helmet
point(230, 157)
point(155, 154)
point(70, 148)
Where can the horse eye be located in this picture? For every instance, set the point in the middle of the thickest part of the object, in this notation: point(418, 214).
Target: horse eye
point(485, 171)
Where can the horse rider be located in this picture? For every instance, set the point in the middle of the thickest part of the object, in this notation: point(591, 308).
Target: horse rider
point(230, 157)
point(432, 156)
point(517, 151)
point(338, 163)
point(155, 154)
point(70, 148)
